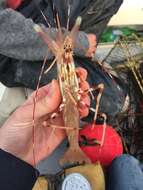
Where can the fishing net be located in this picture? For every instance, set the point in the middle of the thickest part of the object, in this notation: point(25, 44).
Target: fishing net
point(125, 62)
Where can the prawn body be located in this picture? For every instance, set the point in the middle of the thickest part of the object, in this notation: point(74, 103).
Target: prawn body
point(69, 87)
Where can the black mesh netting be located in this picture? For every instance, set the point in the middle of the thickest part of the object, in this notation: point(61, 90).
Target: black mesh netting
point(125, 61)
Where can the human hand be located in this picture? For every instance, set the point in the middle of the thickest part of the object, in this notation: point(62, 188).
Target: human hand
point(17, 135)
point(92, 45)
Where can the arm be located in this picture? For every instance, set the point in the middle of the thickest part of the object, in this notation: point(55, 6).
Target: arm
point(19, 40)
point(15, 173)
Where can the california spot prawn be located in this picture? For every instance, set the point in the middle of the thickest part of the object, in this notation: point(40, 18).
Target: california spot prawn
point(62, 48)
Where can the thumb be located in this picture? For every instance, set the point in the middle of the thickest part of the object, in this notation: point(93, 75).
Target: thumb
point(50, 102)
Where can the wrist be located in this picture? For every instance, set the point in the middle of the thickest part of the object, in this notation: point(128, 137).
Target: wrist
point(10, 144)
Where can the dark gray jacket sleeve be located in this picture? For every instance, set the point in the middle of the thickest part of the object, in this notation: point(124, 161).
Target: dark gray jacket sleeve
point(19, 40)
point(15, 174)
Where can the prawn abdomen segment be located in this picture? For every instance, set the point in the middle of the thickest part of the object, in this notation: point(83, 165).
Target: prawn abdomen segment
point(72, 119)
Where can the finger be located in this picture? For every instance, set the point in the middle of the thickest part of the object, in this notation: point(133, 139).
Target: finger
point(84, 86)
point(92, 40)
point(93, 49)
point(38, 94)
point(92, 45)
point(45, 105)
point(92, 37)
point(91, 53)
point(84, 107)
point(41, 92)
point(81, 73)
point(50, 102)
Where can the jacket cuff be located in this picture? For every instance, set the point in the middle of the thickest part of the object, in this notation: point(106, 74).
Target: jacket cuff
point(15, 173)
